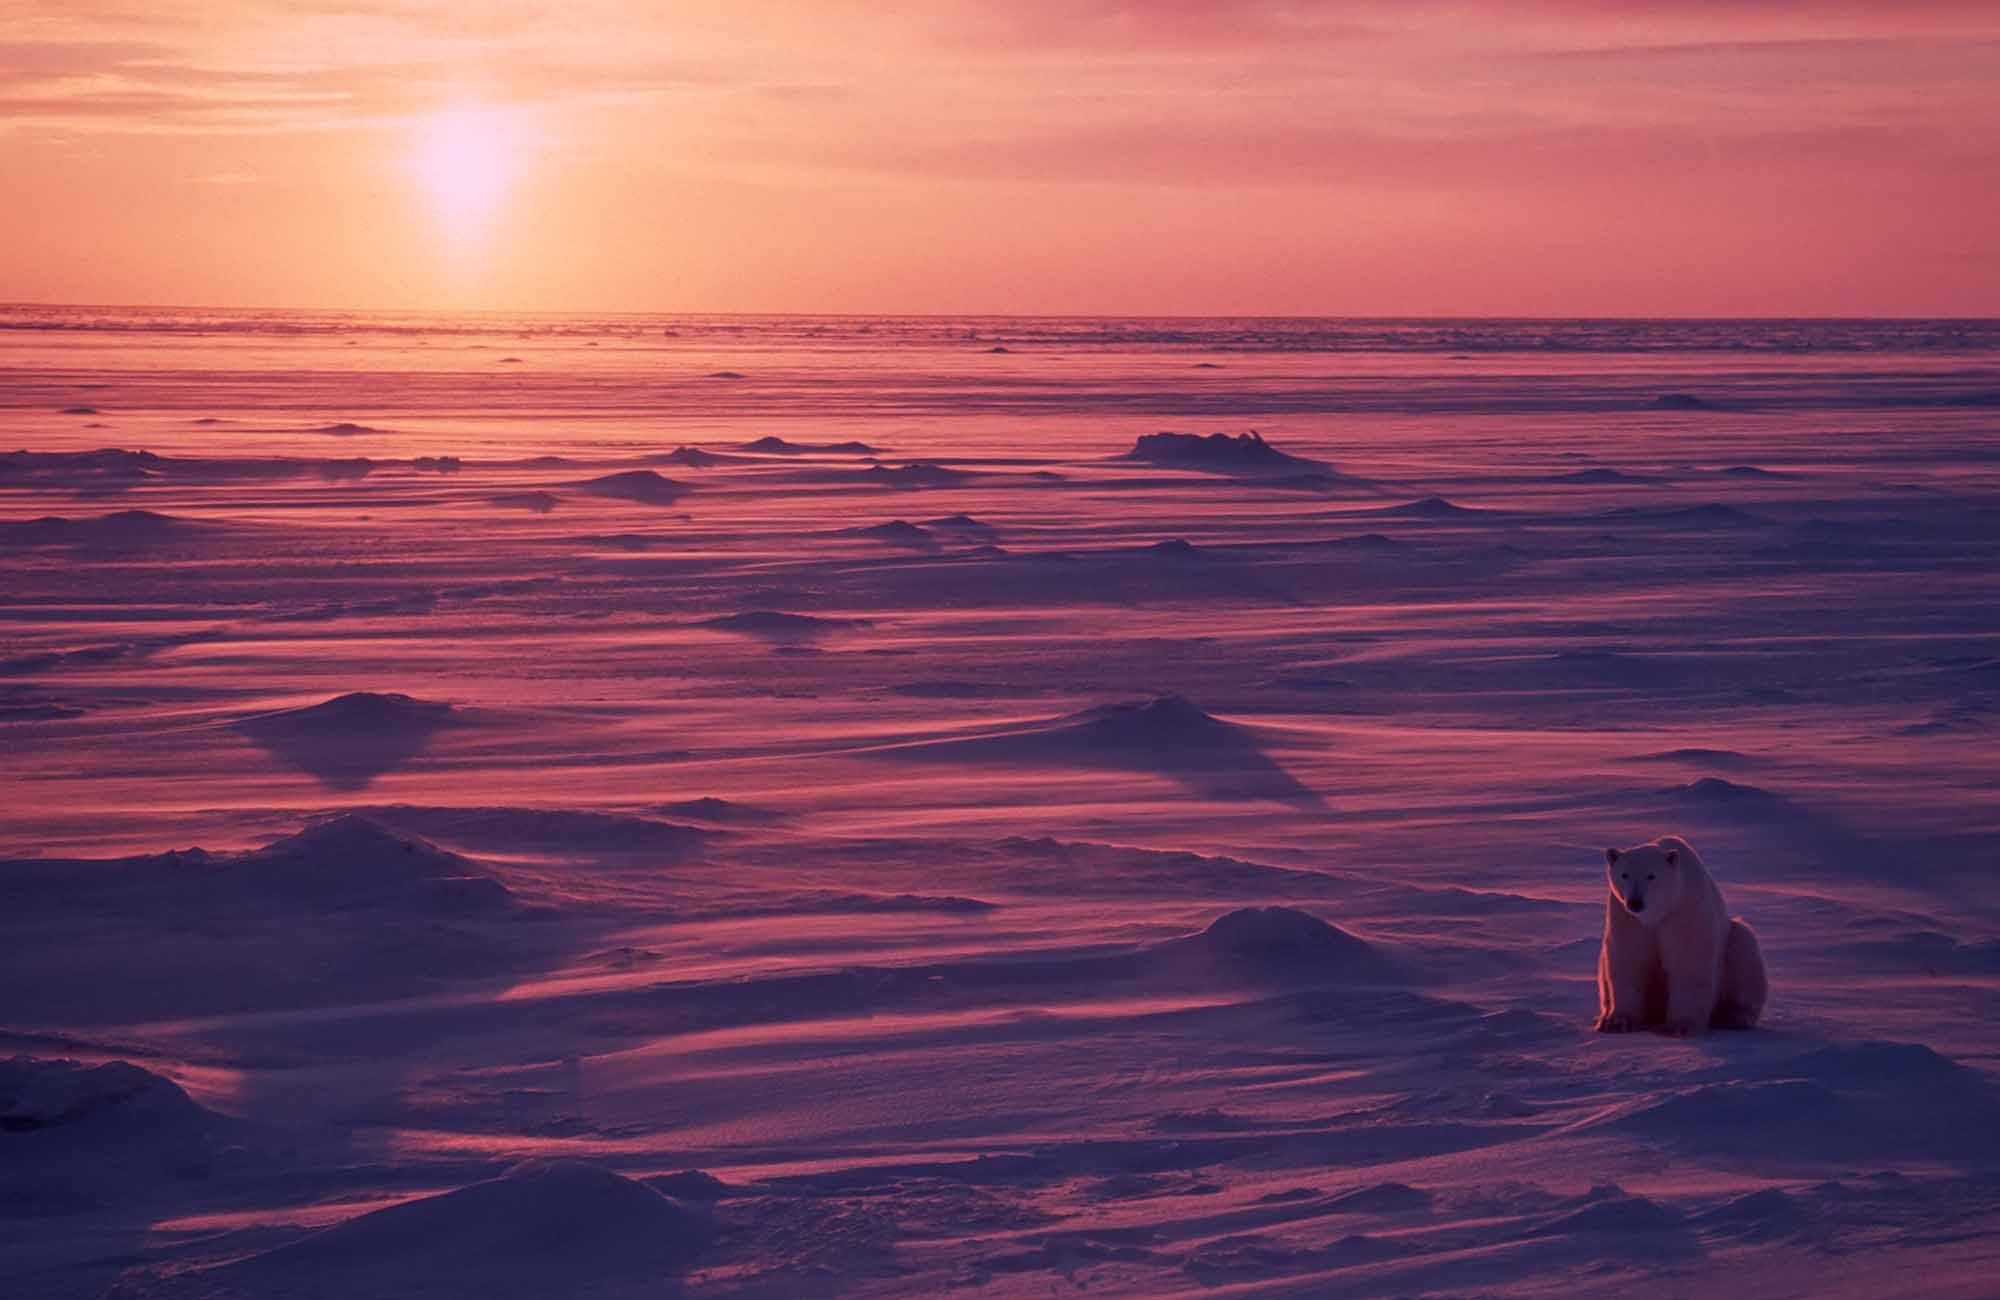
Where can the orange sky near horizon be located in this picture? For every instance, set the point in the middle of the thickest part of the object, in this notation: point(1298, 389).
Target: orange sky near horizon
point(1379, 157)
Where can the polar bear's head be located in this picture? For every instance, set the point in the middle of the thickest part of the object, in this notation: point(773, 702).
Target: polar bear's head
point(1646, 880)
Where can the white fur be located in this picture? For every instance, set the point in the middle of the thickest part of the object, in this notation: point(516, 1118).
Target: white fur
point(1673, 959)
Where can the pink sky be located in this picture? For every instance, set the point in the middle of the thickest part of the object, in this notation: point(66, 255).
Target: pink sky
point(1539, 157)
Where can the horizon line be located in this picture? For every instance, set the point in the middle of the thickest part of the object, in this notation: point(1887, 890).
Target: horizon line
point(9, 305)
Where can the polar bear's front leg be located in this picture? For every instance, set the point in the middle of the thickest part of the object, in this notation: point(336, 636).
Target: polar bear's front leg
point(1690, 1006)
point(1693, 963)
point(1622, 964)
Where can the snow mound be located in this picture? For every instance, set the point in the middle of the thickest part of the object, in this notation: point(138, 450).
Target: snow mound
point(1714, 789)
point(115, 464)
point(78, 1136)
point(1734, 800)
point(641, 485)
point(775, 446)
point(708, 808)
point(1600, 475)
point(960, 523)
point(1167, 731)
point(777, 625)
point(1162, 719)
point(351, 470)
point(1382, 1198)
point(121, 529)
point(1217, 453)
point(1266, 943)
point(353, 859)
point(1431, 508)
point(1617, 1211)
point(1375, 543)
point(1167, 735)
point(897, 532)
point(1279, 934)
point(1699, 754)
point(1754, 1216)
point(544, 1228)
point(690, 1185)
point(693, 457)
point(916, 474)
point(360, 712)
point(349, 740)
point(38, 1094)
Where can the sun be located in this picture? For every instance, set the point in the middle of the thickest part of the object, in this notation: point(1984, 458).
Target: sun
point(465, 160)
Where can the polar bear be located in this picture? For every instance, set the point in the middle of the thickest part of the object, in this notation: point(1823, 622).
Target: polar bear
point(1673, 960)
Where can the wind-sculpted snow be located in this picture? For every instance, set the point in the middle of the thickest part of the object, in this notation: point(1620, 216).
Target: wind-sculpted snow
point(891, 823)
point(81, 1137)
point(560, 830)
point(780, 626)
point(344, 909)
point(1220, 453)
point(899, 532)
point(126, 530)
point(1279, 943)
point(543, 1227)
point(352, 860)
point(1167, 735)
point(1829, 1107)
point(641, 485)
point(348, 741)
point(775, 446)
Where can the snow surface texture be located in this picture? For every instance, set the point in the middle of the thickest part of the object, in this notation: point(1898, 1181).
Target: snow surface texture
point(951, 837)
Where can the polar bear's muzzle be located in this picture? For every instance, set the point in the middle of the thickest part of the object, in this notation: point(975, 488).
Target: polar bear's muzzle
point(1642, 909)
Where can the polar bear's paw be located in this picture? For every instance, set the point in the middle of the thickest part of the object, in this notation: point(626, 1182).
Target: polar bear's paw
point(1733, 1018)
point(1680, 1028)
point(1618, 1023)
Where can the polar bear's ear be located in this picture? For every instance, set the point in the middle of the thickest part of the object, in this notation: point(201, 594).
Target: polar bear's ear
point(1673, 857)
point(1611, 857)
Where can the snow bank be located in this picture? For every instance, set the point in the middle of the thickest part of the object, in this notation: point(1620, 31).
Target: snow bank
point(348, 741)
point(542, 1229)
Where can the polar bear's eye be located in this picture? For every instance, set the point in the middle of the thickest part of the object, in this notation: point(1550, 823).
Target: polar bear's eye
point(1649, 875)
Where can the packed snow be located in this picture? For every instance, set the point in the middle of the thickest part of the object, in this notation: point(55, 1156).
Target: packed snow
point(955, 836)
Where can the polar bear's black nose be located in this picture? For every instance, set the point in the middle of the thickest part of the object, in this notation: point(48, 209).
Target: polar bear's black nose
point(1637, 904)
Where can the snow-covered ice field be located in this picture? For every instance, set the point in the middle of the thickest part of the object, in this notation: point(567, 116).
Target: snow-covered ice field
point(793, 807)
